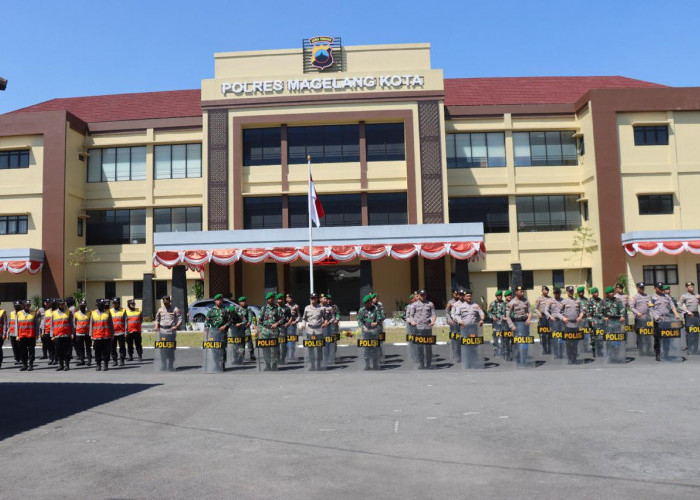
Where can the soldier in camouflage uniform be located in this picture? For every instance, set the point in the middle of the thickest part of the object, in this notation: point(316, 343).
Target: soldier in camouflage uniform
point(586, 321)
point(594, 313)
point(271, 317)
point(238, 323)
point(496, 312)
point(507, 339)
point(215, 327)
point(287, 312)
point(689, 307)
point(382, 316)
point(614, 310)
point(250, 321)
point(368, 319)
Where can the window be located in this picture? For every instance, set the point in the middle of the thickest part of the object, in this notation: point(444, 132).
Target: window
point(138, 290)
point(528, 280)
point(161, 288)
point(387, 208)
point(14, 159)
point(116, 227)
point(537, 149)
point(584, 210)
point(385, 142)
point(476, 150)
point(13, 224)
point(117, 164)
point(325, 144)
point(653, 135)
point(503, 280)
point(181, 219)
point(9, 292)
point(548, 213)
point(491, 210)
point(558, 278)
point(654, 204)
point(110, 290)
point(178, 161)
point(80, 227)
point(262, 146)
point(340, 209)
point(666, 274)
point(262, 212)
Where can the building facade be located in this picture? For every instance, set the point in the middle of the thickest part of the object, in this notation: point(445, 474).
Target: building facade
point(145, 178)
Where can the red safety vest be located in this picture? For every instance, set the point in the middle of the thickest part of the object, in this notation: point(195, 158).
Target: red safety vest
point(100, 325)
point(60, 327)
point(47, 321)
point(82, 323)
point(118, 320)
point(26, 327)
point(13, 324)
point(133, 321)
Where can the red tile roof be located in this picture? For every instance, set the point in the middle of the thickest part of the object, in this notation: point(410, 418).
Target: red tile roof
point(530, 90)
point(458, 92)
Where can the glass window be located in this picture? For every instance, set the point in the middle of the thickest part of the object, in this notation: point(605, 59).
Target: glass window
point(476, 150)
point(264, 212)
point(385, 142)
point(262, 146)
point(655, 204)
point(161, 288)
point(503, 280)
point(14, 159)
point(9, 292)
point(340, 209)
point(177, 161)
point(80, 228)
point(491, 210)
point(550, 148)
point(14, 224)
point(558, 278)
point(116, 227)
point(387, 208)
point(651, 135)
point(179, 219)
point(138, 290)
point(548, 213)
point(666, 274)
point(117, 164)
point(110, 289)
point(325, 144)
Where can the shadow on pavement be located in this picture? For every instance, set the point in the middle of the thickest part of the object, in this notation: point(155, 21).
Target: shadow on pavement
point(27, 405)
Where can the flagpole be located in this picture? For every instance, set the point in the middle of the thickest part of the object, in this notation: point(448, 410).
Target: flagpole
point(311, 240)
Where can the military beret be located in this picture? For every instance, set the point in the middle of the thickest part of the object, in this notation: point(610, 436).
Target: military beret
point(279, 296)
point(507, 293)
point(499, 293)
point(667, 287)
point(269, 295)
point(581, 289)
point(329, 296)
point(410, 297)
point(690, 283)
point(372, 295)
point(609, 289)
point(640, 284)
point(242, 299)
point(366, 298)
point(218, 296)
point(594, 290)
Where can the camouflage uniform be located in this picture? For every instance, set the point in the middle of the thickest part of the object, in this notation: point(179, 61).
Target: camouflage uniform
point(613, 309)
point(250, 319)
point(270, 315)
point(365, 317)
point(594, 312)
point(287, 312)
point(238, 315)
point(496, 312)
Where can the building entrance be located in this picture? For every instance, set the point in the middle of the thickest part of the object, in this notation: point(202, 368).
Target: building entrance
point(341, 281)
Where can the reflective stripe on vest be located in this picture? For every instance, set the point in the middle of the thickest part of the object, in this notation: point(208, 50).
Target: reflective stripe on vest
point(118, 320)
point(100, 325)
point(59, 324)
point(133, 320)
point(82, 323)
point(47, 320)
point(13, 323)
point(25, 325)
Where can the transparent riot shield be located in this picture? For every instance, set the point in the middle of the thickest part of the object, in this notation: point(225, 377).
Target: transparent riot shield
point(573, 340)
point(472, 340)
point(313, 345)
point(644, 328)
point(557, 327)
point(522, 345)
point(369, 348)
point(213, 350)
point(692, 333)
point(669, 332)
point(598, 337)
point(587, 331)
point(507, 343)
point(455, 343)
point(235, 347)
point(411, 347)
point(497, 339)
point(423, 341)
point(544, 330)
point(382, 338)
point(630, 337)
point(268, 352)
point(615, 343)
point(282, 345)
point(164, 351)
point(292, 339)
point(329, 346)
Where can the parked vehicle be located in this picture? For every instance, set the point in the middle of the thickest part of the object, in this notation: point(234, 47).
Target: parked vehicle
point(197, 310)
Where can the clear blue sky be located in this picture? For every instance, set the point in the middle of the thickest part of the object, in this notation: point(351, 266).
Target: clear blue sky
point(52, 49)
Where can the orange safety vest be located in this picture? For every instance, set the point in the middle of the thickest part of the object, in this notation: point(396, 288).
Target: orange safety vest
point(82, 323)
point(13, 323)
point(47, 321)
point(118, 320)
point(133, 321)
point(26, 326)
point(60, 327)
point(100, 325)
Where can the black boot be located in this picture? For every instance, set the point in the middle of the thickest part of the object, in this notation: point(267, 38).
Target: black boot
point(67, 366)
point(60, 368)
point(99, 367)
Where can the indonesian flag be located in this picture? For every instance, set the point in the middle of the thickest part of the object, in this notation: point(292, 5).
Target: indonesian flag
point(316, 209)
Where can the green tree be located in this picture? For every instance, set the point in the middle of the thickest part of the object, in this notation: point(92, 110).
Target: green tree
point(584, 243)
point(198, 290)
point(80, 258)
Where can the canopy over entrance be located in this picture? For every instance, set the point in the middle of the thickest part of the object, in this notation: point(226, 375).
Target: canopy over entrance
point(195, 249)
point(18, 260)
point(672, 242)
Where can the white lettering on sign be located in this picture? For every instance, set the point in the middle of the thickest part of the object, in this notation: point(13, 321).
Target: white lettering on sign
point(301, 85)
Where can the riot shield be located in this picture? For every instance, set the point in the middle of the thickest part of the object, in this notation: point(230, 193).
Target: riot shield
point(369, 347)
point(615, 343)
point(455, 343)
point(587, 331)
point(411, 347)
point(472, 340)
point(669, 333)
point(164, 351)
point(329, 346)
point(282, 345)
point(507, 343)
point(313, 344)
point(597, 337)
point(573, 340)
point(292, 339)
point(235, 347)
point(268, 351)
point(644, 327)
point(213, 350)
point(423, 341)
point(497, 339)
point(692, 333)
point(544, 330)
point(557, 327)
point(522, 344)
point(630, 337)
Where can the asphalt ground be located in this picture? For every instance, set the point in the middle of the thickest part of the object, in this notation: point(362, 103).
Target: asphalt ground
point(592, 430)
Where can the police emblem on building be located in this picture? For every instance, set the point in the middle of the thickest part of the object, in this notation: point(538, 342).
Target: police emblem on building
point(322, 53)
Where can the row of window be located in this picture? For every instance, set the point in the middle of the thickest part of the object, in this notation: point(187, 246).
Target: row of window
point(172, 161)
point(160, 288)
point(14, 224)
point(120, 227)
point(14, 159)
point(324, 143)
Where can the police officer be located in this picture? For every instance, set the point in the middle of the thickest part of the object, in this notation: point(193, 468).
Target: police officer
point(248, 317)
point(689, 307)
point(282, 345)
point(519, 314)
point(571, 315)
point(496, 312)
point(168, 319)
point(101, 333)
point(134, 320)
point(639, 304)
point(12, 330)
point(27, 327)
point(453, 326)
point(660, 307)
point(314, 320)
point(422, 316)
point(62, 334)
point(118, 315)
point(368, 319)
point(47, 345)
point(468, 313)
point(543, 319)
point(553, 314)
point(295, 312)
point(81, 330)
point(271, 317)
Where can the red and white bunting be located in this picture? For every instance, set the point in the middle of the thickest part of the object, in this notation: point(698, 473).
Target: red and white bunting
point(651, 248)
point(19, 266)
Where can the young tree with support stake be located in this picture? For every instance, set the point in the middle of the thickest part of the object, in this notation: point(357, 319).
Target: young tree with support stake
point(80, 257)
